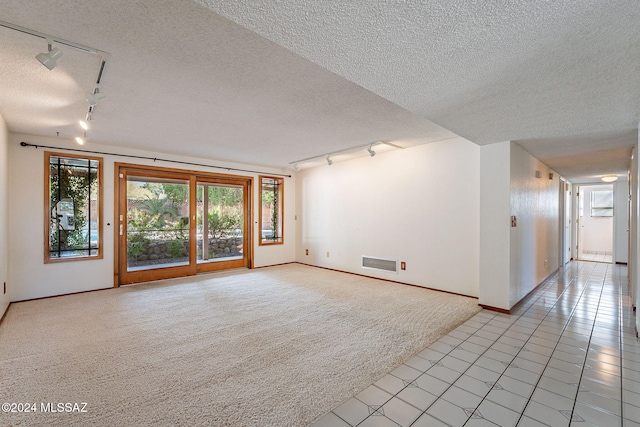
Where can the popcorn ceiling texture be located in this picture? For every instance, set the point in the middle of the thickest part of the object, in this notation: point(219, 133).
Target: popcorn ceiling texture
point(488, 71)
point(432, 57)
point(184, 80)
point(269, 82)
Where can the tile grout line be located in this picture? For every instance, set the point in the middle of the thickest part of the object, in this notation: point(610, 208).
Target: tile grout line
point(532, 308)
point(566, 325)
point(585, 288)
point(406, 386)
point(535, 387)
point(586, 356)
point(458, 377)
point(620, 339)
point(565, 289)
point(520, 316)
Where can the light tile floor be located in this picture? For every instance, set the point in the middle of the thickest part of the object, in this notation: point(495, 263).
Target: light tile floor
point(597, 256)
point(567, 356)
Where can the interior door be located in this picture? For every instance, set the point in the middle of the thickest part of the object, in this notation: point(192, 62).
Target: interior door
point(580, 222)
point(567, 224)
point(173, 223)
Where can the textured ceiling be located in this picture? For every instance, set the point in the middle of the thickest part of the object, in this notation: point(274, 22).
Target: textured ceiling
point(182, 79)
point(268, 82)
point(588, 157)
point(518, 70)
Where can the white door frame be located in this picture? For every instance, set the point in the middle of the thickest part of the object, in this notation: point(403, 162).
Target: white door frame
point(565, 222)
point(579, 224)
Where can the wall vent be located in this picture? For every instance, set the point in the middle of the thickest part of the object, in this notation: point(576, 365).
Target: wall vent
point(381, 264)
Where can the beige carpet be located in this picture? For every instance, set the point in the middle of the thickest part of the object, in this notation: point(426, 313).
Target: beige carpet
point(278, 346)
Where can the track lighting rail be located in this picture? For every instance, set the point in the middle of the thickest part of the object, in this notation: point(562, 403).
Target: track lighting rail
point(54, 39)
point(369, 146)
point(50, 58)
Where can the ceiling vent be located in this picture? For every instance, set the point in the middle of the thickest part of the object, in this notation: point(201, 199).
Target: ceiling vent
point(380, 264)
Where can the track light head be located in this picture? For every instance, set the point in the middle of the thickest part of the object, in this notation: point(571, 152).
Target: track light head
point(295, 167)
point(329, 161)
point(50, 59)
point(370, 150)
point(94, 98)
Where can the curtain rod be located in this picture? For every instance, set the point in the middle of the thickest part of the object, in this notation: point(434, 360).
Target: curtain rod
point(26, 144)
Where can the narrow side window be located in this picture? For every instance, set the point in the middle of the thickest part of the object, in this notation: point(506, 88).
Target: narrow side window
point(73, 207)
point(271, 210)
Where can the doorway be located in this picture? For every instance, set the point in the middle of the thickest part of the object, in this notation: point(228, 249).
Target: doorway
point(175, 223)
point(565, 222)
point(595, 223)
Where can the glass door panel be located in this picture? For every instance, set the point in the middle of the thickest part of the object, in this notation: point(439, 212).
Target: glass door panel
point(178, 223)
point(220, 222)
point(157, 232)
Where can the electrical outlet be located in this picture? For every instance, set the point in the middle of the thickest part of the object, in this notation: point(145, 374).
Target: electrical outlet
point(306, 251)
point(403, 265)
point(327, 254)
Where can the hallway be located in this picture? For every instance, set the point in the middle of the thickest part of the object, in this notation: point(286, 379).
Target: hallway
point(568, 355)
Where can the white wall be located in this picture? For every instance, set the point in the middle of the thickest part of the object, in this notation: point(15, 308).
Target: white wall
point(597, 232)
point(31, 278)
point(535, 242)
point(495, 223)
point(445, 209)
point(4, 217)
point(419, 205)
point(514, 260)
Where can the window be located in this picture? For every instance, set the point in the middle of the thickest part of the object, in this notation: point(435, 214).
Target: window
point(602, 203)
point(73, 207)
point(271, 209)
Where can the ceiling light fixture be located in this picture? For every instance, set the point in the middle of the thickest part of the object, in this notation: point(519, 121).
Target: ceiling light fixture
point(95, 97)
point(329, 161)
point(370, 150)
point(295, 167)
point(610, 178)
point(84, 125)
point(51, 57)
point(79, 140)
point(357, 148)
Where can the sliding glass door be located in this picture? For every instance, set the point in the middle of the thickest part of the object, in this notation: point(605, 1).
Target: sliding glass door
point(174, 223)
point(157, 223)
point(221, 224)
